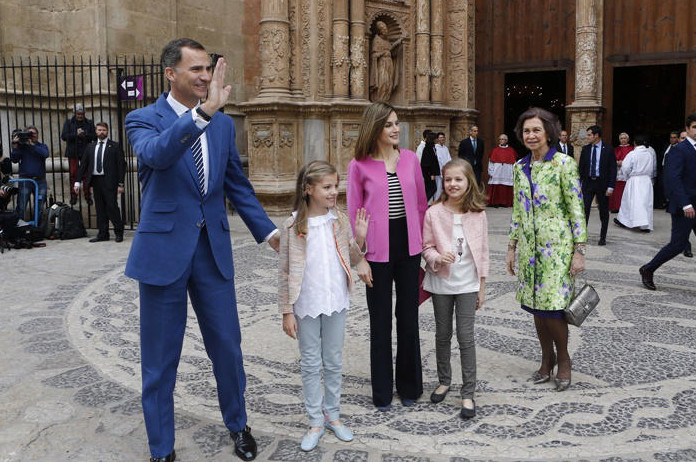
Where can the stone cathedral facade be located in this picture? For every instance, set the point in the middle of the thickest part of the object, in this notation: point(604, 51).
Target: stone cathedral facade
point(302, 71)
point(323, 61)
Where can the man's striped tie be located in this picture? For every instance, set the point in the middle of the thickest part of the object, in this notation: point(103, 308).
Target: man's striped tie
point(197, 151)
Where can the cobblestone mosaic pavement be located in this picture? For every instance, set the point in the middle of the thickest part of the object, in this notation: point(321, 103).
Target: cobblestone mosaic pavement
point(69, 386)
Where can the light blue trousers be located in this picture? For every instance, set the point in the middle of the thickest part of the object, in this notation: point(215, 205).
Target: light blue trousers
point(321, 349)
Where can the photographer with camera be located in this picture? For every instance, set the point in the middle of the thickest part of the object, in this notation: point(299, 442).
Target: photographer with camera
point(31, 156)
point(78, 132)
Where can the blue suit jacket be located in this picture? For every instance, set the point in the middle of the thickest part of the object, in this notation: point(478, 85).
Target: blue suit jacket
point(680, 176)
point(172, 208)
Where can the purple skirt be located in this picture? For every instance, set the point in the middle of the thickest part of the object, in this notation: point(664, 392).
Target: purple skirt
point(551, 314)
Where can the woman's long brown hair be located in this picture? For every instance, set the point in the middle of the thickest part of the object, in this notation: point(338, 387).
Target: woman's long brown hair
point(374, 118)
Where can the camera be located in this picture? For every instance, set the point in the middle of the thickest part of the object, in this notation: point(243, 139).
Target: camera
point(24, 136)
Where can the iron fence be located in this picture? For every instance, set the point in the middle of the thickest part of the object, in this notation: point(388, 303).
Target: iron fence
point(43, 92)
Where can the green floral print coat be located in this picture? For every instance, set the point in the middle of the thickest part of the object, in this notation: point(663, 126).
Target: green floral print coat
point(548, 218)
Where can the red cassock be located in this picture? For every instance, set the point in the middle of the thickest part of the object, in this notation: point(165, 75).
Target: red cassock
point(615, 199)
point(500, 166)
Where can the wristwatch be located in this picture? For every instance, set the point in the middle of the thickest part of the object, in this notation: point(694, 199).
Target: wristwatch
point(581, 249)
point(203, 114)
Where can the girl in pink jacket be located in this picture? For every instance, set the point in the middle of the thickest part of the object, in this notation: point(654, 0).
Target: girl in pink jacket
point(455, 248)
point(316, 251)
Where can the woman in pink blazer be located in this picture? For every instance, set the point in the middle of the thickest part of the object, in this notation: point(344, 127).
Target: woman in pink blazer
point(388, 183)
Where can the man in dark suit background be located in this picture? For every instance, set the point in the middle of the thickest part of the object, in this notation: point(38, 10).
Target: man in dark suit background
point(188, 164)
point(597, 168)
point(471, 150)
point(563, 145)
point(104, 168)
point(680, 187)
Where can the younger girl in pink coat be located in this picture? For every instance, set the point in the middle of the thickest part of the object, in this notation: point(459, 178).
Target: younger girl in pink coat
point(455, 248)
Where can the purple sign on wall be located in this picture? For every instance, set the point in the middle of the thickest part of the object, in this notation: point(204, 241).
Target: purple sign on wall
point(131, 88)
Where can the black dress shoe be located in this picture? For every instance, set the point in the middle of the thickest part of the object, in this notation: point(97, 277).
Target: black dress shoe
point(244, 444)
point(99, 239)
point(89, 201)
point(438, 397)
point(170, 458)
point(119, 238)
point(688, 254)
point(619, 224)
point(602, 241)
point(647, 277)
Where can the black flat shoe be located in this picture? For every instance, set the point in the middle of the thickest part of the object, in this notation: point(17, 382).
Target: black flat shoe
point(244, 444)
point(467, 413)
point(688, 254)
point(438, 397)
point(170, 458)
point(602, 241)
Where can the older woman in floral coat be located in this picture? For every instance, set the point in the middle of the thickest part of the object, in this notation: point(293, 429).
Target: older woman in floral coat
point(548, 231)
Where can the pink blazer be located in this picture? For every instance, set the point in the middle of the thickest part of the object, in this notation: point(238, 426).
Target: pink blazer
point(368, 187)
point(437, 239)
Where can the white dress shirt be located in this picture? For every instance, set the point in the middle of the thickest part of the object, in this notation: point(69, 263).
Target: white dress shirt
point(180, 109)
point(96, 153)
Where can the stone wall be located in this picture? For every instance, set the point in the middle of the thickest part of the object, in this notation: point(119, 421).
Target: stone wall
point(130, 27)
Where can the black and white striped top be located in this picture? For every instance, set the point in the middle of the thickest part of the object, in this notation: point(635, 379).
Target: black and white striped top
point(397, 209)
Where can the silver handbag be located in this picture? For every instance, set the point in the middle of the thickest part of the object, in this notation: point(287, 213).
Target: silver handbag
point(582, 304)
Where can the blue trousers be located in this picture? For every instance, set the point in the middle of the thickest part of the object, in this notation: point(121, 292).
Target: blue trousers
point(26, 192)
point(681, 228)
point(162, 324)
point(321, 350)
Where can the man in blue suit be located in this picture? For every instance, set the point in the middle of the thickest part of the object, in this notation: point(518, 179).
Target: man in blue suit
point(188, 164)
point(680, 187)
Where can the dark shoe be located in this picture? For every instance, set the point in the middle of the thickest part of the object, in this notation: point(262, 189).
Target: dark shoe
point(619, 224)
point(385, 408)
point(602, 241)
point(99, 239)
point(89, 201)
point(408, 402)
point(647, 278)
point(170, 458)
point(244, 444)
point(467, 413)
point(119, 238)
point(688, 254)
point(437, 397)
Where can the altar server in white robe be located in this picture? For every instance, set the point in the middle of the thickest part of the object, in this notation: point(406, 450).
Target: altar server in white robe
point(637, 202)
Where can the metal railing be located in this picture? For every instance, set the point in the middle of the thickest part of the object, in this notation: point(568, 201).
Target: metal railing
point(43, 92)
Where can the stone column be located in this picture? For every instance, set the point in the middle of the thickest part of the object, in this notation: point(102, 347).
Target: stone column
point(358, 62)
point(423, 50)
point(274, 47)
point(460, 64)
point(587, 108)
point(340, 60)
point(436, 47)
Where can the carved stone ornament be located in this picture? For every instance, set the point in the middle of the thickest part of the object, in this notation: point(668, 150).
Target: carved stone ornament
point(262, 135)
point(275, 56)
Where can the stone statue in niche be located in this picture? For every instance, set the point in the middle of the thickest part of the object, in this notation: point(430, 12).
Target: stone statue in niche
point(384, 71)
